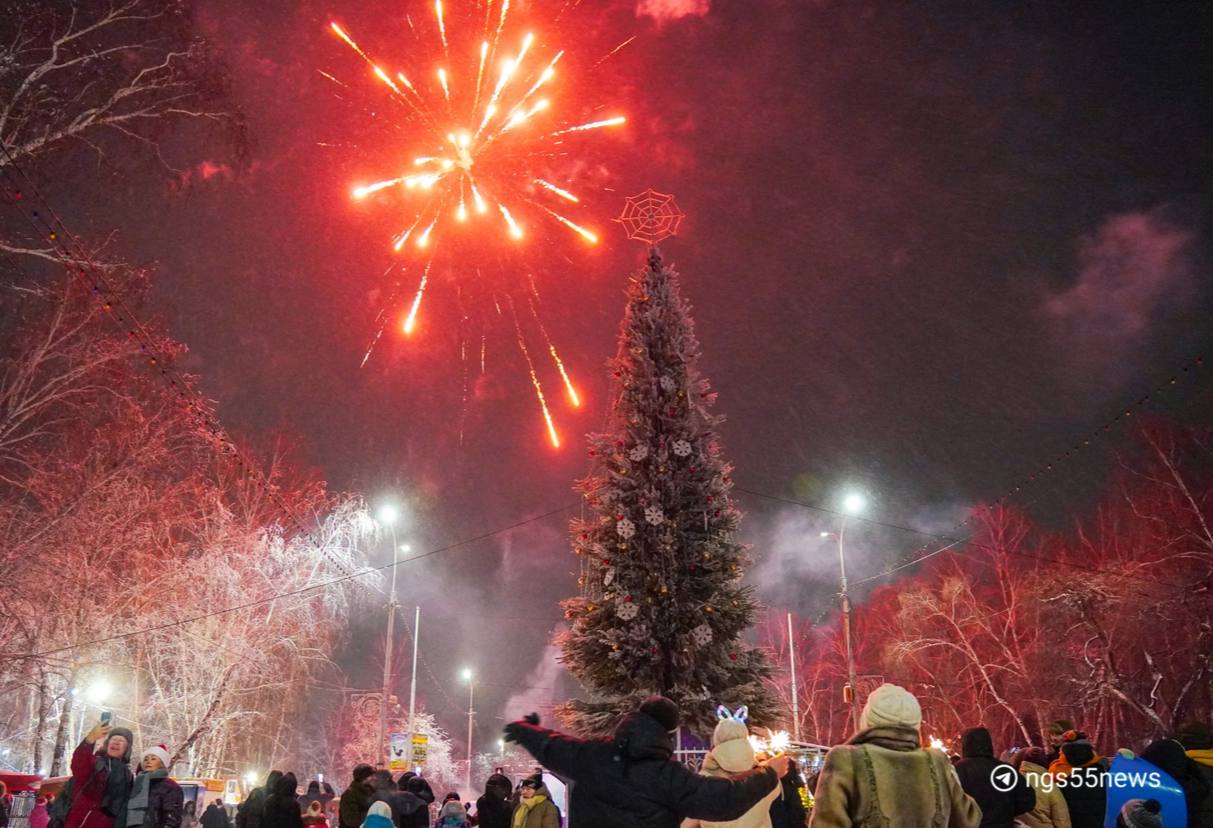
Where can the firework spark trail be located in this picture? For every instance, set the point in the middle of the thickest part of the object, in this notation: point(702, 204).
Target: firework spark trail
point(619, 119)
point(543, 403)
point(484, 54)
point(565, 194)
point(613, 51)
point(441, 27)
point(411, 320)
point(576, 228)
point(382, 318)
point(574, 399)
point(333, 79)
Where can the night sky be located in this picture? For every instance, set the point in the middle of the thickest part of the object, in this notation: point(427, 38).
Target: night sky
point(928, 246)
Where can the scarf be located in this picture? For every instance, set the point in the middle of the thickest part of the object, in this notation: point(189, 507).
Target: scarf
point(1061, 765)
point(136, 806)
point(524, 809)
point(117, 783)
point(1202, 757)
point(893, 738)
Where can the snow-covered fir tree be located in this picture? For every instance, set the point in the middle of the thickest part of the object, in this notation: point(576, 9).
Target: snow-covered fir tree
point(662, 606)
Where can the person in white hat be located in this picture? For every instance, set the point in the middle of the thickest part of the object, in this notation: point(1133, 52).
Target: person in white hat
point(156, 801)
point(883, 776)
point(733, 754)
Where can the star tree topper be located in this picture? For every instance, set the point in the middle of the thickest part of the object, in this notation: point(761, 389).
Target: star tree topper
point(650, 217)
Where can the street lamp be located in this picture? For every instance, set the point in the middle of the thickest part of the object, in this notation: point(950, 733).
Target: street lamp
point(388, 514)
point(95, 694)
point(467, 675)
point(853, 503)
point(98, 691)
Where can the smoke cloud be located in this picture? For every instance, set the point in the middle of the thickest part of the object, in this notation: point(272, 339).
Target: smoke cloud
point(1135, 269)
point(665, 11)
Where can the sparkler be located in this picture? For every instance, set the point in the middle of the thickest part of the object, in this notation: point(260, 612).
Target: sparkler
point(485, 126)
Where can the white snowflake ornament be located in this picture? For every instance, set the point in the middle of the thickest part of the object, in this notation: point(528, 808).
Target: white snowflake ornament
point(627, 611)
point(654, 515)
point(638, 453)
point(682, 448)
point(667, 383)
point(702, 635)
point(625, 528)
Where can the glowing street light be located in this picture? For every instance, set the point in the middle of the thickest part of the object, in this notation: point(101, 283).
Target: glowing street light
point(98, 691)
point(854, 503)
point(388, 514)
point(251, 778)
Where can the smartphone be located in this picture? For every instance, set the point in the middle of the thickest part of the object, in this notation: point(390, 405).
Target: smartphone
point(107, 716)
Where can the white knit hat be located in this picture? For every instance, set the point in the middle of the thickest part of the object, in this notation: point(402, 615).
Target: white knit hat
point(891, 706)
point(160, 752)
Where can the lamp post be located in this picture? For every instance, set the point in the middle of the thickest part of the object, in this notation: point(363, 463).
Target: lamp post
point(413, 684)
point(388, 515)
point(792, 661)
point(852, 504)
point(470, 678)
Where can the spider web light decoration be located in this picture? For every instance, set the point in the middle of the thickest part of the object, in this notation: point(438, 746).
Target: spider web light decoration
point(650, 217)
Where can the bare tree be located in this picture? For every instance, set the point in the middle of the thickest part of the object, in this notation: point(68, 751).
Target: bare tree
point(87, 73)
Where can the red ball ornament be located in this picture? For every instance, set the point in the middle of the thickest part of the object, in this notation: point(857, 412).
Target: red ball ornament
point(732, 656)
point(627, 599)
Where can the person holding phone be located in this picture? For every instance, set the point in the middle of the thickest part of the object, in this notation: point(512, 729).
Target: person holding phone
point(101, 778)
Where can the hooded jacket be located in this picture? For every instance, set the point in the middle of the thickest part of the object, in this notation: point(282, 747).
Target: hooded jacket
point(214, 817)
point(1086, 801)
point(1169, 756)
point(282, 805)
point(731, 755)
point(407, 809)
point(354, 805)
point(1203, 757)
point(632, 780)
point(251, 811)
point(537, 812)
point(493, 808)
point(998, 808)
point(883, 778)
point(1050, 810)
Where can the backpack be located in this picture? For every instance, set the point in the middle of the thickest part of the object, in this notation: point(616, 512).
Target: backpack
point(61, 806)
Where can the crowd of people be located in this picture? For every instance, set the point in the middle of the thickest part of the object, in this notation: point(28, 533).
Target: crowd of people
point(884, 775)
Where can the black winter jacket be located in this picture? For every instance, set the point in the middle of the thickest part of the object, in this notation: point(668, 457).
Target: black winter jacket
point(1169, 756)
point(998, 808)
point(165, 803)
point(281, 811)
point(215, 817)
point(633, 782)
point(354, 804)
point(1085, 790)
point(788, 810)
point(494, 809)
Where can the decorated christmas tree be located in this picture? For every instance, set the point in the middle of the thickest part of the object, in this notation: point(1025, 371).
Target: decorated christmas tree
point(662, 606)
